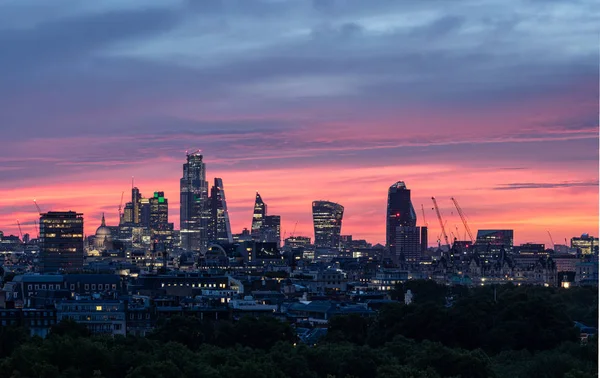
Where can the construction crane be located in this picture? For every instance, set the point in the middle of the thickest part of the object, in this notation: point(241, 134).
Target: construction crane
point(121, 206)
point(37, 232)
point(464, 219)
point(20, 231)
point(37, 206)
point(552, 241)
point(294, 232)
point(437, 210)
point(424, 220)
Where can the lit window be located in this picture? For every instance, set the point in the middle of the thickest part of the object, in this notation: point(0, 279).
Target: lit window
point(98, 308)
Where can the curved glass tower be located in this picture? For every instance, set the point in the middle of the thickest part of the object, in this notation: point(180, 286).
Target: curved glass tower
point(327, 220)
point(400, 219)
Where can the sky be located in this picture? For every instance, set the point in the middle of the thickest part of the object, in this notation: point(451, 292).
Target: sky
point(492, 102)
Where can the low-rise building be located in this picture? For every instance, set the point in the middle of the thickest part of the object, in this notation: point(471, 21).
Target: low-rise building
point(100, 316)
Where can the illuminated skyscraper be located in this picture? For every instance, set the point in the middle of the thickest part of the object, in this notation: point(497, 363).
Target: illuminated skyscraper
point(159, 211)
point(194, 205)
point(400, 213)
point(327, 220)
point(220, 229)
point(258, 217)
point(61, 241)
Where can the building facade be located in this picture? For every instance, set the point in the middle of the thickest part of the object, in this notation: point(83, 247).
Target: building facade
point(327, 221)
point(61, 241)
point(219, 228)
point(400, 217)
point(585, 244)
point(194, 208)
point(258, 217)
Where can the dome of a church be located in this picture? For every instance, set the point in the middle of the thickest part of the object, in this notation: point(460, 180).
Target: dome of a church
point(103, 237)
point(103, 231)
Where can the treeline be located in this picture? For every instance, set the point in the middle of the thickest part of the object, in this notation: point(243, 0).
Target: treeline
point(494, 319)
point(523, 332)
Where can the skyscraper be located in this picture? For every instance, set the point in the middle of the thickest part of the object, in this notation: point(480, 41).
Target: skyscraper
point(61, 241)
point(194, 206)
point(258, 217)
point(327, 220)
point(159, 211)
point(220, 228)
point(271, 230)
point(400, 213)
point(265, 228)
point(161, 230)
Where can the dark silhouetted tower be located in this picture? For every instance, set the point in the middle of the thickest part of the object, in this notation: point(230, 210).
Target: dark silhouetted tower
point(401, 213)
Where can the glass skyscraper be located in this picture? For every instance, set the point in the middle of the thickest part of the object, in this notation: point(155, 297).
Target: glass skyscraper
point(265, 228)
point(401, 222)
point(327, 220)
point(220, 229)
point(194, 205)
point(61, 241)
point(258, 217)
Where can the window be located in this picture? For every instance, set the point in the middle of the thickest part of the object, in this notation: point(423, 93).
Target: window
point(87, 286)
point(44, 287)
point(72, 286)
point(98, 308)
point(93, 286)
point(29, 287)
point(114, 286)
point(37, 287)
point(130, 316)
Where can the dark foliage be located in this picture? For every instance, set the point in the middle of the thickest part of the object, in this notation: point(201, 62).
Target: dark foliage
point(526, 332)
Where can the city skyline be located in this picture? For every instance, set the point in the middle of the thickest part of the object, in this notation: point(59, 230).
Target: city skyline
point(305, 101)
point(448, 210)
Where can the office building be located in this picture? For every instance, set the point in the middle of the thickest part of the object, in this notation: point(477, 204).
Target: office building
point(220, 228)
point(61, 241)
point(194, 206)
point(159, 211)
point(408, 246)
point(496, 239)
point(491, 245)
point(585, 244)
point(161, 230)
point(271, 230)
point(327, 221)
point(265, 228)
point(401, 223)
point(258, 217)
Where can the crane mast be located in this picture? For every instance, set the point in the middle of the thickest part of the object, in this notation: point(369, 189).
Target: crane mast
point(424, 220)
point(437, 210)
point(552, 239)
point(121, 206)
point(20, 231)
point(37, 206)
point(463, 219)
